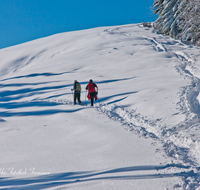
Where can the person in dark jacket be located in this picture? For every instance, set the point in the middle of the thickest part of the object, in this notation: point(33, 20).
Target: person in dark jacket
point(92, 92)
point(77, 92)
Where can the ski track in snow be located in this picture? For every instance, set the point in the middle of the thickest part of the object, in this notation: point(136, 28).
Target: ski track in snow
point(174, 140)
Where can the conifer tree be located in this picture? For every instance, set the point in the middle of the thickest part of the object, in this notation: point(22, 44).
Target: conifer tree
point(179, 19)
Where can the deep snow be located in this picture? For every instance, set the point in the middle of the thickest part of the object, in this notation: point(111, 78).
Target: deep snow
point(143, 133)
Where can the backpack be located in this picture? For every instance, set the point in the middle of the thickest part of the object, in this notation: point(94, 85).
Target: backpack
point(78, 86)
point(91, 87)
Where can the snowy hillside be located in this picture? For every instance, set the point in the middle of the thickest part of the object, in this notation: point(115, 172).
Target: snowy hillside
point(142, 133)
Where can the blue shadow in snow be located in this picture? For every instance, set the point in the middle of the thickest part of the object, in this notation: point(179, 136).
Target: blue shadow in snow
point(55, 96)
point(37, 113)
point(115, 101)
point(116, 95)
point(40, 74)
point(25, 84)
point(15, 105)
point(56, 180)
point(107, 81)
point(10, 95)
point(114, 80)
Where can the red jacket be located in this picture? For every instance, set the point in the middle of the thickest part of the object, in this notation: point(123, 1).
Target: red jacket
point(91, 87)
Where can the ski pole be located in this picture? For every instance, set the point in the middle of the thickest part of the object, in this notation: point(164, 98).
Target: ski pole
point(85, 97)
point(98, 101)
point(72, 96)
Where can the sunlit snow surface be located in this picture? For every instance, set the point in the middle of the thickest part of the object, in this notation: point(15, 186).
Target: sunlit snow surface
point(142, 133)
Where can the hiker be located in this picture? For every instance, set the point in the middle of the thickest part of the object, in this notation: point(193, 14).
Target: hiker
point(77, 92)
point(92, 93)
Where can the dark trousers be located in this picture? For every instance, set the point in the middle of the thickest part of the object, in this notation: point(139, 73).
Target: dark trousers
point(93, 95)
point(77, 95)
point(92, 101)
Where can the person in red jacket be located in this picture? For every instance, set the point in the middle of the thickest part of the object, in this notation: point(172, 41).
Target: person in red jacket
point(92, 91)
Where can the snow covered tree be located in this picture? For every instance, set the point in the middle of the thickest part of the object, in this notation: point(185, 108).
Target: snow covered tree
point(190, 28)
point(166, 10)
point(179, 19)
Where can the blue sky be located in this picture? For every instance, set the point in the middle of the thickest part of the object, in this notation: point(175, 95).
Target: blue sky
point(25, 20)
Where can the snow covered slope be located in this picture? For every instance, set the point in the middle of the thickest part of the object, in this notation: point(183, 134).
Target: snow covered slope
point(143, 133)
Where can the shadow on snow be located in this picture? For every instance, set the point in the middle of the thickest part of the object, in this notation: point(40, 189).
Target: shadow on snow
point(55, 180)
point(40, 74)
point(38, 112)
point(116, 95)
point(9, 98)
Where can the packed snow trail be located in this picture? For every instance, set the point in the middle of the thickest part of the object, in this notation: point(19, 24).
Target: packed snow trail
point(147, 81)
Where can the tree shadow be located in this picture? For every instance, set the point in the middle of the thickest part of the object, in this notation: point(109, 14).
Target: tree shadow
point(10, 95)
point(114, 80)
point(118, 100)
point(38, 112)
point(25, 84)
point(15, 105)
point(56, 180)
point(107, 81)
point(39, 74)
point(10, 98)
point(116, 95)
